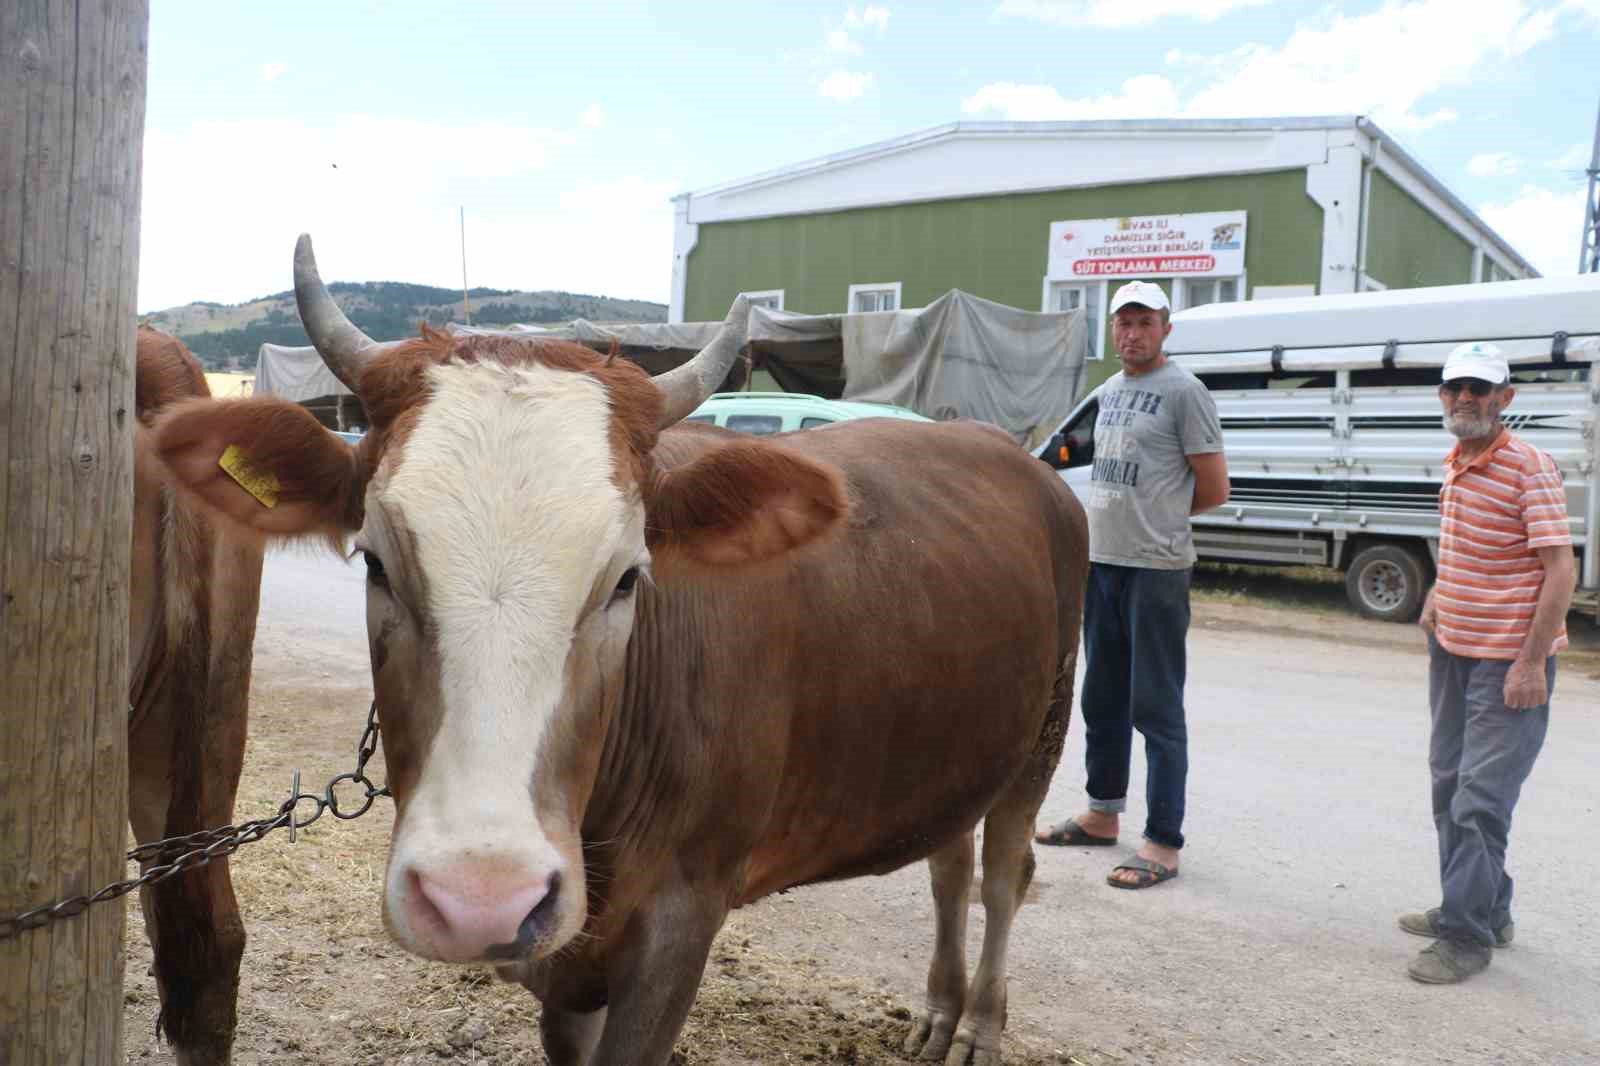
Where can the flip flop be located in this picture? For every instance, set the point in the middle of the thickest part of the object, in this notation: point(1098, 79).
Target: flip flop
point(1149, 873)
point(1070, 834)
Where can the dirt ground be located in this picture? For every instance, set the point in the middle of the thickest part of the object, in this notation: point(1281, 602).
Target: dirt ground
point(831, 974)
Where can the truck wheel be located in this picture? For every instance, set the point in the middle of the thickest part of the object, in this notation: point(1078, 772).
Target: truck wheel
point(1387, 582)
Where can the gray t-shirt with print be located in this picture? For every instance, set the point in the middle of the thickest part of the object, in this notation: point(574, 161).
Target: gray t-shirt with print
point(1141, 485)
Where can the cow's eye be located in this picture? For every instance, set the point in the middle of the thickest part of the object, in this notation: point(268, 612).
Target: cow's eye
point(375, 572)
point(625, 583)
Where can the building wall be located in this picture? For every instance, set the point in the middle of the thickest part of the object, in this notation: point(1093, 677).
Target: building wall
point(993, 247)
point(1407, 245)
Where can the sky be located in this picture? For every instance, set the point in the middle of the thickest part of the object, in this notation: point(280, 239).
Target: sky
point(563, 131)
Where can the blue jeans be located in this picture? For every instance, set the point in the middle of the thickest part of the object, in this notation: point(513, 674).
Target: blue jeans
point(1480, 753)
point(1135, 623)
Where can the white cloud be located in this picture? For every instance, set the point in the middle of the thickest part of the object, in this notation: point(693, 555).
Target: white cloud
point(272, 71)
point(844, 85)
point(1121, 14)
point(1577, 157)
point(381, 208)
point(1493, 165)
point(593, 117)
point(1368, 64)
point(1545, 225)
point(1373, 64)
point(1146, 96)
point(872, 15)
point(841, 43)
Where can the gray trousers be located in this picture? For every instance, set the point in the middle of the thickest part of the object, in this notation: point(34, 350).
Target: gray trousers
point(1480, 753)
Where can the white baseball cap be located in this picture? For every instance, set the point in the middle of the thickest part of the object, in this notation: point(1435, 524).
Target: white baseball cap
point(1142, 293)
point(1477, 360)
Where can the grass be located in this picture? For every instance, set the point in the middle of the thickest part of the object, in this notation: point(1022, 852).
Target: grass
point(1317, 588)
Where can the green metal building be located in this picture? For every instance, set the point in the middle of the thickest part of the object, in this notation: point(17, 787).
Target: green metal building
point(1031, 214)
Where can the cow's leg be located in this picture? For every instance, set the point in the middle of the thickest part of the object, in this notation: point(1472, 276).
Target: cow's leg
point(1007, 870)
point(655, 974)
point(183, 776)
point(570, 1037)
point(951, 872)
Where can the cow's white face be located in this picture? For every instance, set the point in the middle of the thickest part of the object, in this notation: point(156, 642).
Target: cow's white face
point(502, 548)
point(504, 502)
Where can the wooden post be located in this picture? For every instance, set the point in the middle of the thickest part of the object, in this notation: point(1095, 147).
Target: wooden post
point(72, 78)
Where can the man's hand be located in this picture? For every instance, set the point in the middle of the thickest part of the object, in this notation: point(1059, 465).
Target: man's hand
point(1210, 481)
point(1525, 685)
point(1430, 614)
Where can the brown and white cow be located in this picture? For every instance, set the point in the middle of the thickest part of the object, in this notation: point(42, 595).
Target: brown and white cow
point(192, 618)
point(632, 674)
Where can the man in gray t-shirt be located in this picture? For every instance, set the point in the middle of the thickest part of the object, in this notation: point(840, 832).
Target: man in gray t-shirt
point(1141, 485)
point(1157, 460)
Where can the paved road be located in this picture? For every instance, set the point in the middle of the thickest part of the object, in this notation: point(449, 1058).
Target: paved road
point(1309, 831)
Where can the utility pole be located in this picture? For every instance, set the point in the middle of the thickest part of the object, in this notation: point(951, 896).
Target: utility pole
point(1589, 250)
point(466, 304)
point(72, 75)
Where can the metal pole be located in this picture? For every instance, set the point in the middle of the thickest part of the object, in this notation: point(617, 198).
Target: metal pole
point(1589, 250)
point(1589, 575)
point(466, 308)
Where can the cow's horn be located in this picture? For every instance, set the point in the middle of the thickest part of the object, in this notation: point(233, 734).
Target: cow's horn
point(342, 346)
point(686, 387)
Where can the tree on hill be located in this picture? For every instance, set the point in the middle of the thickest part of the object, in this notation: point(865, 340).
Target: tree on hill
point(391, 310)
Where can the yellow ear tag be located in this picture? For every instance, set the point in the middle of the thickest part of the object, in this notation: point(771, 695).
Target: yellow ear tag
point(258, 483)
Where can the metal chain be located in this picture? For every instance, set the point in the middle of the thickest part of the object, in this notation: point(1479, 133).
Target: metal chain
point(197, 849)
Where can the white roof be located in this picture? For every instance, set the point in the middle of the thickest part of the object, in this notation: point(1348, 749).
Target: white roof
point(1345, 331)
point(965, 159)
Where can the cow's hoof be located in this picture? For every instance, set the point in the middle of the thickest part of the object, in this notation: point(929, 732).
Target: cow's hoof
point(970, 1049)
point(930, 1037)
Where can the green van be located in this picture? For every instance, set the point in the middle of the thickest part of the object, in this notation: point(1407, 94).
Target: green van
point(765, 413)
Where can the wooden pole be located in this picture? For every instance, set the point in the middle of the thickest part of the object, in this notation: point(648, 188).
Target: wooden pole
point(72, 78)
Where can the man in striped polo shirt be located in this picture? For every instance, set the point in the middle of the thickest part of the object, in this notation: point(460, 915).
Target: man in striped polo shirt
point(1495, 619)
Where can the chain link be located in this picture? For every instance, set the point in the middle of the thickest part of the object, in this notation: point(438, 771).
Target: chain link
point(196, 849)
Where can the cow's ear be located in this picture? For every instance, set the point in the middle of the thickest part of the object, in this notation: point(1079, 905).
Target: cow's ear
point(265, 463)
point(743, 503)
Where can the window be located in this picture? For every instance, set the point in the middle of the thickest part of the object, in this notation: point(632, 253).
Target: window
point(1196, 292)
point(813, 423)
point(709, 420)
point(875, 296)
point(760, 425)
point(772, 298)
point(1066, 296)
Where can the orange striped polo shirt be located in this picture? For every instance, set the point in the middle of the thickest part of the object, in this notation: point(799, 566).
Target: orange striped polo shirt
point(1497, 509)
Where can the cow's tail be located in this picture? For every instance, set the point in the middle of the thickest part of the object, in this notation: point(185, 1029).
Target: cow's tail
point(1069, 551)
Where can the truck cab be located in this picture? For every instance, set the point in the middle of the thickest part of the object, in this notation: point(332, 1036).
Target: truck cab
point(1333, 431)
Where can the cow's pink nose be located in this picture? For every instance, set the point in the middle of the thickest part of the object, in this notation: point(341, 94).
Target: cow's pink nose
point(472, 916)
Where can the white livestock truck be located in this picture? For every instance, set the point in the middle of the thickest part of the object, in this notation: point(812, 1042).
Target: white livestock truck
point(1333, 430)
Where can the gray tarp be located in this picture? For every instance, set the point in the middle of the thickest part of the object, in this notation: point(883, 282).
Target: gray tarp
point(958, 357)
point(297, 374)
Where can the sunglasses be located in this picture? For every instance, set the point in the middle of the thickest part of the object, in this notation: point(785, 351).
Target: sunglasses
point(1476, 386)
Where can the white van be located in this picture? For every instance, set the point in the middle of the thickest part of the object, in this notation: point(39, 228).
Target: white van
point(1331, 421)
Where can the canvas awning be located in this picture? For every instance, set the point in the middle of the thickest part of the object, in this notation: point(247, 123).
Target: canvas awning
point(958, 357)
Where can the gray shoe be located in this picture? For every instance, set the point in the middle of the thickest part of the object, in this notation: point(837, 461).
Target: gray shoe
point(1446, 962)
point(1427, 924)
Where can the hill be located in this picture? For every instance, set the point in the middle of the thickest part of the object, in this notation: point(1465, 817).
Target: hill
point(228, 335)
